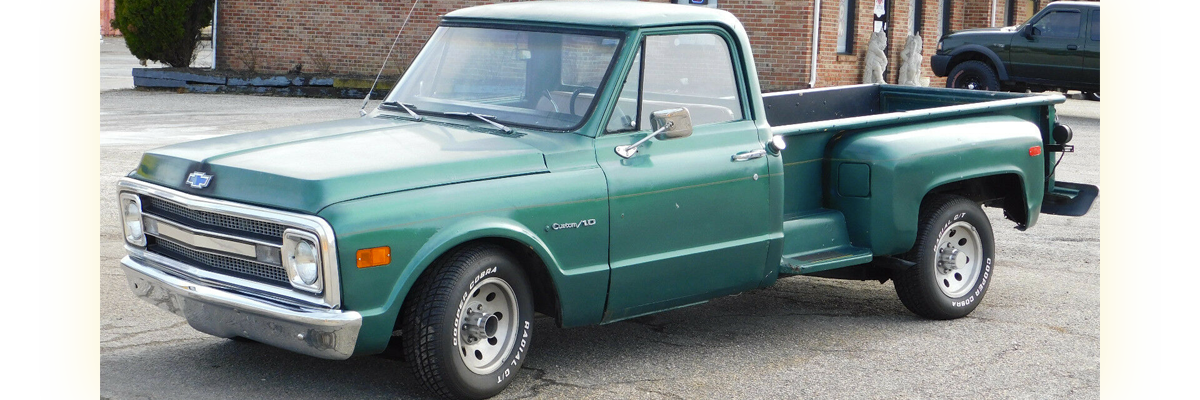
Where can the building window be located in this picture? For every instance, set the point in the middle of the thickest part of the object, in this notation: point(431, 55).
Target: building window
point(916, 21)
point(947, 13)
point(845, 40)
point(1010, 12)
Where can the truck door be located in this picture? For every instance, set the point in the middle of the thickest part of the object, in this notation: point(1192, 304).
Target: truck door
point(1053, 50)
point(689, 222)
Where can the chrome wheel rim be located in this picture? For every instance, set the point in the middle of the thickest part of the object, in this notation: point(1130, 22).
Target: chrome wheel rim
point(970, 82)
point(958, 259)
point(488, 326)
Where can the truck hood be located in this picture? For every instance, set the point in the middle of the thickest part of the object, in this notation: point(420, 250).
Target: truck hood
point(983, 36)
point(308, 167)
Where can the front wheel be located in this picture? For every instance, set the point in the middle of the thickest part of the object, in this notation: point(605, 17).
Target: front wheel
point(954, 256)
point(467, 323)
point(973, 75)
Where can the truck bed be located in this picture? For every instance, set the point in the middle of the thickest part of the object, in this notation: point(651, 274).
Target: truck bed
point(861, 106)
point(810, 119)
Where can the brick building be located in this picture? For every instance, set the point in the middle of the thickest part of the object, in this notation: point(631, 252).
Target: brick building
point(351, 37)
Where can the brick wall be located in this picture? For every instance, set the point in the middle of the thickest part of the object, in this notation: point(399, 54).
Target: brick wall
point(106, 17)
point(351, 37)
point(348, 37)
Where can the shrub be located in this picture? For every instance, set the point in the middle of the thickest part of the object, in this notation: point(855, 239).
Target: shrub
point(165, 31)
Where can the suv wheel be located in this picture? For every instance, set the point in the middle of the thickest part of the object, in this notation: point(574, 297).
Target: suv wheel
point(974, 75)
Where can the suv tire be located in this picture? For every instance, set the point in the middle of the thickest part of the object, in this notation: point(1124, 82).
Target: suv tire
point(974, 75)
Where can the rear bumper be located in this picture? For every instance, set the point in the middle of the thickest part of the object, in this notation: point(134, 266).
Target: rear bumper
point(1070, 199)
point(939, 63)
point(324, 333)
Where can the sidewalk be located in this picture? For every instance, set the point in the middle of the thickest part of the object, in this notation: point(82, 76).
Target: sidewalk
point(117, 64)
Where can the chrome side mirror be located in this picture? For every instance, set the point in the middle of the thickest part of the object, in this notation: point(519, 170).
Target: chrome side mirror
point(672, 123)
point(677, 121)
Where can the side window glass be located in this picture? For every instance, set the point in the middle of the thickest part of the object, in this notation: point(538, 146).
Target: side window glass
point(624, 114)
point(1059, 25)
point(693, 71)
point(1094, 26)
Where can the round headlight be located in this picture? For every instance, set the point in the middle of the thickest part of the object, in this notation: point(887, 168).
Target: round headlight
point(305, 260)
point(131, 220)
point(302, 259)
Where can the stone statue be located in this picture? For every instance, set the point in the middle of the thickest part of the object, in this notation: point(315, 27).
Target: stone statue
point(910, 61)
point(876, 60)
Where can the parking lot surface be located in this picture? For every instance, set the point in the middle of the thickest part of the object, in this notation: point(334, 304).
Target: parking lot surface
point(1036, 334)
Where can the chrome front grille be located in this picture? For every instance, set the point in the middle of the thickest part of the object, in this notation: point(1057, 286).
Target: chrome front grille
point(217, 262)
point(189, 216)
point(232, 245)
point(237, 245)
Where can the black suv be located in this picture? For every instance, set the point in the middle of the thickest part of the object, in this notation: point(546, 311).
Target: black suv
point(1057, 49)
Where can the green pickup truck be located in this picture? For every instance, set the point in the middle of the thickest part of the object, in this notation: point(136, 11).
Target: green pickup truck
point(558, 158)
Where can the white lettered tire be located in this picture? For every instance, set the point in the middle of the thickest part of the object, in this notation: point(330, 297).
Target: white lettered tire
point(955, 260)
point(467, 322)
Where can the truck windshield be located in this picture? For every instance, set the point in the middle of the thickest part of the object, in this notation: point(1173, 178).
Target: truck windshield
point(542, 80)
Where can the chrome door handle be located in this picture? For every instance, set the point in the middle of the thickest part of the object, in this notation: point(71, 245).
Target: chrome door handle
point(749, 155)
point(1072, 47)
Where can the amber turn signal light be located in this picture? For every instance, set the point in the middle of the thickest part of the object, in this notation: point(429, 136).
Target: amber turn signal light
point(1035, 151)
point(374, 257)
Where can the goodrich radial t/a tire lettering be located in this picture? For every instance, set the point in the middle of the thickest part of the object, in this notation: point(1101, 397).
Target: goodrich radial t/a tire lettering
point(955, 260)
point(468, 322)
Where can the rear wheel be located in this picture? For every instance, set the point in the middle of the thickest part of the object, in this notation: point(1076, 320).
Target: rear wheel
point(973, 75)
point(954, 256)
point(468, 323)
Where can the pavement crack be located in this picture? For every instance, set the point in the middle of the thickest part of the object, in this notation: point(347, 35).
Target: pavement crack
point(1055, 328)
point(127, 335)
point(107, 350)
point(544, 382)
point(660, 393)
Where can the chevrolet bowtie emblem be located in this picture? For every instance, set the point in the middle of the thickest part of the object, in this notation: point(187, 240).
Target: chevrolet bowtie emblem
point(198, 180)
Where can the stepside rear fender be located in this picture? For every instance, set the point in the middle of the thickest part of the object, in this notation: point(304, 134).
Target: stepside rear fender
point(878, 177)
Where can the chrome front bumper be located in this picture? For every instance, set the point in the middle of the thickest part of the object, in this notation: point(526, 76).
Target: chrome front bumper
point(317, 332)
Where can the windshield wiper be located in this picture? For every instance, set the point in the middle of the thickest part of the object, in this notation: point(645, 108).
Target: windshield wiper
point(484, 118)
point(405, 107)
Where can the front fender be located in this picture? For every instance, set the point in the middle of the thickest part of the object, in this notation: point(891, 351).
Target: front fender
point(419, 226)
point(962, 53)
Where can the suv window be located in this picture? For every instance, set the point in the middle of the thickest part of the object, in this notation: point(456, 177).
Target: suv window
point(1094, 26)
point(693, 71)
point(1059, 24)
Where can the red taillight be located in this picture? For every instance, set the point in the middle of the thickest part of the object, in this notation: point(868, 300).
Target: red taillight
point(1035, 151)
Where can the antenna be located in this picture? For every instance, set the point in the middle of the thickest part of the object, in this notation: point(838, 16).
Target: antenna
point(363, 111)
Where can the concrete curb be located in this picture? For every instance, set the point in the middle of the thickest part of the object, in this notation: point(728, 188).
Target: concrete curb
point(293, 85)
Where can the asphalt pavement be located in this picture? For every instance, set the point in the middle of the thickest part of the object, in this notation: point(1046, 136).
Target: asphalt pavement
point(1036, 334)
